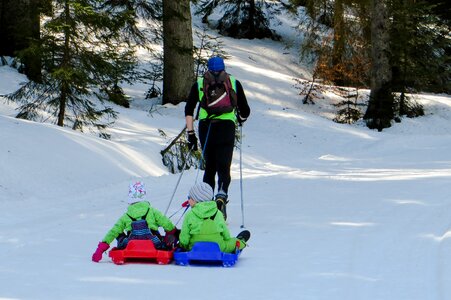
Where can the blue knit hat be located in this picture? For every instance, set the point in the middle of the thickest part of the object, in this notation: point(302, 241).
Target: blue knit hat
point(216, 64)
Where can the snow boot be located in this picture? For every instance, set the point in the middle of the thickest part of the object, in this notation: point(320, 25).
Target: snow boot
point(244, 235)
point(221, 202)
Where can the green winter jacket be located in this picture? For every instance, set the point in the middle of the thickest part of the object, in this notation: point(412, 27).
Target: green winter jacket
point(199, 227)
point(155, 219)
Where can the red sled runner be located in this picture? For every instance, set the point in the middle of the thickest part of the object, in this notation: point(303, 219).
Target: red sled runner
point(140, 251)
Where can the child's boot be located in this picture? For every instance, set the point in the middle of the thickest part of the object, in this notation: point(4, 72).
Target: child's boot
point(244, 235)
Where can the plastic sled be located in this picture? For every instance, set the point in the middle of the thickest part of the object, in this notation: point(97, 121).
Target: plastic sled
point(140, 251)
point(206, 253)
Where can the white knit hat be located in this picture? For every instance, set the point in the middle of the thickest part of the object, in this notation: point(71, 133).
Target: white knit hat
point(136, 192)
point(201, 192)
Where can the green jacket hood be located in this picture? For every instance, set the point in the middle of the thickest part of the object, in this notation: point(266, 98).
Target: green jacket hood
point(138, 209)
point(205, 209)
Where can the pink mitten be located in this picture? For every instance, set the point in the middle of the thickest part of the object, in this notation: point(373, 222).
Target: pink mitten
point(102, 247)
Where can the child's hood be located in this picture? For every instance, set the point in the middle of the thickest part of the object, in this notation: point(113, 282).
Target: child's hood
point(205, 209)
point(138, 209)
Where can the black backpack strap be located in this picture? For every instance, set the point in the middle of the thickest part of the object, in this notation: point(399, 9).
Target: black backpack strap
point(212, 217)
point(133, 219)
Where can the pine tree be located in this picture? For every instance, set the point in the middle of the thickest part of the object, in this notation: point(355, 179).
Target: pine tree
point(19, 25)
point(81, 50)
point(208, 46)
point(147, 13)
point(242, 18)
point(419, 42)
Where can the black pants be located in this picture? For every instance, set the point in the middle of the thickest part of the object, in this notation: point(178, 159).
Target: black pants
point(218, 139)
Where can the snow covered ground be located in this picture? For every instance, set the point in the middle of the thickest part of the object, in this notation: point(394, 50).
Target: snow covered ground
point(337, 212)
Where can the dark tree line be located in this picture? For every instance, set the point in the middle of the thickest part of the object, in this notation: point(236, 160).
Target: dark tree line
point(392, 46)
point(81, 52)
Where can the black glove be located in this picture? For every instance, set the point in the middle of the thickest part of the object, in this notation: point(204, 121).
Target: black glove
point(192, 140)
point(171, 238)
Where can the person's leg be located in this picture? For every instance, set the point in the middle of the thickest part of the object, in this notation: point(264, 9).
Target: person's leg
point(230, 245)
point(207, 141)
point(122, 241)
point(224, 154)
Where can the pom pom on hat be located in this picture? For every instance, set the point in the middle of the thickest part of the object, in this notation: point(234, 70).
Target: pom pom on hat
point(136, 192)
point(216, 64)
point(201, 192)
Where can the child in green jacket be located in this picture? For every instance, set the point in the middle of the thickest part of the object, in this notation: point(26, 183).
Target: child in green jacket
point(205, 223)
point(146, 221)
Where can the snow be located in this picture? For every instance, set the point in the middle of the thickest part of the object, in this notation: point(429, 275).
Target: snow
point(336, 211)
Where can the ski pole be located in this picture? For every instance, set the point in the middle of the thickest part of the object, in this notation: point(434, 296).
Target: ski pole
point(184, 204)
point(241, 176)
point(178, 182)
point(203, 151)
point(176, 212)
point(182, 215)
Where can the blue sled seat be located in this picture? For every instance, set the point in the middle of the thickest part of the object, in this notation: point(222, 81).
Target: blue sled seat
point(206, 253)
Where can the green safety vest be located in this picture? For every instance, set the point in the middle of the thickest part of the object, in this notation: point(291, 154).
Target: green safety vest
point(203, 113)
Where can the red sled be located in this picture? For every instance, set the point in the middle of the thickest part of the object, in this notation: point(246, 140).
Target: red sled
point(140, 251)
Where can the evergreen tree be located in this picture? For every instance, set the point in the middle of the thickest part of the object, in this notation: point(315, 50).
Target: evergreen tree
point(147, 13)
point(419, 43)
point(242, 18)
point(81, 49)
point(208, 46)
point(19, 25)
point(340, 48)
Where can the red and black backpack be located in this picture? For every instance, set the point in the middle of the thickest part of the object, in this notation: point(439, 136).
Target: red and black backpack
point(219, 96)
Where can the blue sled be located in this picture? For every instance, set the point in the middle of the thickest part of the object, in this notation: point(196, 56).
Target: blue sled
point(206, 253)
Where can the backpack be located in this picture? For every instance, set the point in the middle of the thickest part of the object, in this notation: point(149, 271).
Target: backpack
point(219, 96)
point(141, 231)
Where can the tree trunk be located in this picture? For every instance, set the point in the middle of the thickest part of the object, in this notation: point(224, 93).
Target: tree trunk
point(380, 109)
point(178, 70)
point(252, 18)
point(33, 62)
point(64, 90)
point(339, 42)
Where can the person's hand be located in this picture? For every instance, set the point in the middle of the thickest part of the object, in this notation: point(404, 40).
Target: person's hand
point(192, 140)
point(102, 247)
point(171, 238)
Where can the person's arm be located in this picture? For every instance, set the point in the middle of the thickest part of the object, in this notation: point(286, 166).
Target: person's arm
point(117, 229)
point(190, 106)
point(243, 107)
point(189, 123)
point(185, 235)
point(220, 221)
point(104, 245)
point(160, 219)
point(191, 103)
